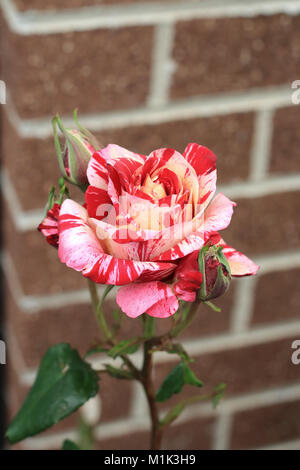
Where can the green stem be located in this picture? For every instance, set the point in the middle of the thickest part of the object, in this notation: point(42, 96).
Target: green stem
point(97, 306)
point(149, 326)
point(147, 382)
point(177, 409)
point(187, 320)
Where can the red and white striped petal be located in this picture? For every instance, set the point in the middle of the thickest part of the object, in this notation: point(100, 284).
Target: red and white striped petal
point(193, 242)
point(80, 249)
point(168, 159)
point(207, 188)
point(240, 265)
point(201, 158)
point(155, 298)
point(113, 153)
point(97, 171)
point(110, 270)
point(216, 217)
point(98, 202)
point(127, 162)
point(218, 214)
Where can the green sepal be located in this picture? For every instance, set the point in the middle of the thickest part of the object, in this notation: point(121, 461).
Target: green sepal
point(92, 139)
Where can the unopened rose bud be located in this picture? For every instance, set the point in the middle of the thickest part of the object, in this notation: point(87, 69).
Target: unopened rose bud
point(79, 147)
point(216, 274)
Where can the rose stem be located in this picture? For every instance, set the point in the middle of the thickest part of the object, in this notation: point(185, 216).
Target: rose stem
point(147, 382)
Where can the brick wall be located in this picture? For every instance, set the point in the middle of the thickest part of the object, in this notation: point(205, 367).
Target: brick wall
point(162, 73)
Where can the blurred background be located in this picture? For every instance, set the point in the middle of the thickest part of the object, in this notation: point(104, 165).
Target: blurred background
point(146, 75)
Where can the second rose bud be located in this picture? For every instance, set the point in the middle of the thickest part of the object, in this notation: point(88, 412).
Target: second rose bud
point(78, 148)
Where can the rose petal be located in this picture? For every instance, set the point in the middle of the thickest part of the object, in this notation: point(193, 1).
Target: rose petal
point(98, 202)
point(155, 298)
point(97, 171)
point(218, 214)
point(240, 265)
point(80, 249)
point(113, 153)
point(201, 158)
point(216, 217)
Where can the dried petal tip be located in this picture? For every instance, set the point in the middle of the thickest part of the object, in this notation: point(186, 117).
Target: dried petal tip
point(49, 226)
point(215, 271)
point(79, 147)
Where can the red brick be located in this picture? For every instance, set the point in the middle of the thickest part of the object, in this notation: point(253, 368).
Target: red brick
point(277, 297)
point(36, 332)
point(195, 434)
point(204, 52)
point(34, 158)
point(286, 141)
point(265, 224)
point(93, 70)
point(265, 426)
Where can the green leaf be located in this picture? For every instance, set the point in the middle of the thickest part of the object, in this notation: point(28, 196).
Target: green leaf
point(69, 445)
point(173, 383)
point(118, 373)
point(190, 378)
point(219, 391)
point(125, 347)
point(63, 384)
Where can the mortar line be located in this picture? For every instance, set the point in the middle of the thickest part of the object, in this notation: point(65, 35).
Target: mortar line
point(91, 18)
point(224, 103)
point(162, 65)
point(262, 144)
point(243, 304)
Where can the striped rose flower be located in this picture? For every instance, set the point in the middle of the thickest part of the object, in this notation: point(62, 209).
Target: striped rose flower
point(142, 216)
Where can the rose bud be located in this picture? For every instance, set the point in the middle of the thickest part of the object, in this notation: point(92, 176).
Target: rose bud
point(49, 226)
point(79, 147)
point(216, 273)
